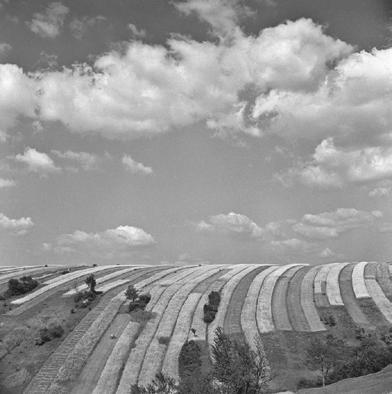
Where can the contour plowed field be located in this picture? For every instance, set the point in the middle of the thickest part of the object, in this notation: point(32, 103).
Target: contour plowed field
point(104, 349)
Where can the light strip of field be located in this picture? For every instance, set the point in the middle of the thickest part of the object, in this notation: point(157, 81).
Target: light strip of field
point(226, 294)
point(100, 280)
point(264, 304)
point(280, 313)
point(350, 302)
point(198, 323)
point(23, 272)
point(248, 314)
point(133, 365)
point(333, 288)
point(155, 354)
point(384, 279)
point(358, 280)
point(307, 300)
point(382, 302)
point(52, 283)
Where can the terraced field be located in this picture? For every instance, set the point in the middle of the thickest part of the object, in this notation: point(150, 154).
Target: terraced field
point(105, 350)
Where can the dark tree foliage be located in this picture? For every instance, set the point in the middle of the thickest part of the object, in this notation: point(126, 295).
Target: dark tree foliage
point(211, 308)
point(162, 384)
point(131, 293)
point(91, 283)
point(21, 286)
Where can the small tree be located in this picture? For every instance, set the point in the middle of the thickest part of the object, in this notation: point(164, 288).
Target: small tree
point(91, 283)
point(237, 367)
point(131, 293)
point(324, 355)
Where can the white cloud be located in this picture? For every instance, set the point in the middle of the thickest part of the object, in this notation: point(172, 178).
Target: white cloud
point(80, 26)
point(87, 161)
point(135, 167)
point(232, 224)
point(334, 167)
point(16, 226)
point(327, 252)
point(221, 15)
point(292, 244)
point(4, 48)
point(383, 189)
point(37, 161)
point(331, 224)
point(49, 23)
point(137, 33)
point(6, 183)
point(108, 243)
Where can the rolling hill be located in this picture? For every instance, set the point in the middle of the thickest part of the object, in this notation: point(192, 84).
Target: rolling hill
point(104, 349)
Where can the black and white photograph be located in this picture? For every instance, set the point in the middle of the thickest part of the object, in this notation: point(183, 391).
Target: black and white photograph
point(195, 196)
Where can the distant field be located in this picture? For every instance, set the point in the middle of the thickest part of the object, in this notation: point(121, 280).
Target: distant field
point(104, 350)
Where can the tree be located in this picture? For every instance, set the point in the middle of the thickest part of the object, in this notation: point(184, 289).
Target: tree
point(237, 367)
point(91, 283)
point(162, 384)
point(131, 293)
point(324, 355)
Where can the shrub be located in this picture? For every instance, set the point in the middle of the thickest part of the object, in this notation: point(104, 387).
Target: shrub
point(328, 320)
point(138, 303)
point(164, 340)
point(21, 286)
point(305, 383)
point(145, 298)
point(84, 298)
point(46, 334)
point(211, 308)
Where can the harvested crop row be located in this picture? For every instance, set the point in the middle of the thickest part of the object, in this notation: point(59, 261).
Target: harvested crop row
point(349, 300)
point(198, 323)
point(333, 288)
point(264, 304)
point(232, 322)
point(320, 284)
point(132, 367)
point(49, 370)
point(280, 313)
point(30, 271)
point(110, 375)
point(100, 280)
point(375, 291)
point(307, 300)
point(296, 314)
point(384, 280)
point(227, 292)
point(358, 280)
point(155, 354)
point(248, 314)
point(179, 337)
point(52, 283)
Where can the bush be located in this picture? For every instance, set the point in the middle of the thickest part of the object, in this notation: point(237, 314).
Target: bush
point(305, 383)
point(21, 286)
point(46, 334)
point(164, 340)
point(139, 303)
point(211, 308)
point(84, 298)
point(328, 320)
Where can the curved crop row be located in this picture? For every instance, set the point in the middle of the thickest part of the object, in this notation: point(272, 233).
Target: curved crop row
point(296, 313)
point(307, 300)
point(320, 284)
point(133, 364)
point(30, 271)
point(100, 280)
point(227, 292)
point(280, 312)
point(383, 278)
point(52, 283)
point(248, 315)
point(264, 304)
point(332, 287)
point(156, 351)
point(358, 280)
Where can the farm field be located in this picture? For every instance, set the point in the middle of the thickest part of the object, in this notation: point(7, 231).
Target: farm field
point(106, 349)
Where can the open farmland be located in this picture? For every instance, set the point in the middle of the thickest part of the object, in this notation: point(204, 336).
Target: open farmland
point(104, 349)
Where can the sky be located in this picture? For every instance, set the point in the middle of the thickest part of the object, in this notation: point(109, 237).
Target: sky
point(195, 131)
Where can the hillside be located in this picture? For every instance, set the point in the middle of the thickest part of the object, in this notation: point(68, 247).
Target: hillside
point(105, 349)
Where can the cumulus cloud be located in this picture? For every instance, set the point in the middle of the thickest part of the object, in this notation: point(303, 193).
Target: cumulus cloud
point(135, 167)
point(16, 226)
point(108, 243)
point(233, 224)
point(80, 26)
point(38, 162)
point(49, 23)
point(137, 33)
point(331, 224)
point(383, 189)
point(87, 161)
point(334, 167)
point(6, 183)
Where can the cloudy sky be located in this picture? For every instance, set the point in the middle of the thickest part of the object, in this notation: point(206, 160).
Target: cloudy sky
point(222, 131)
